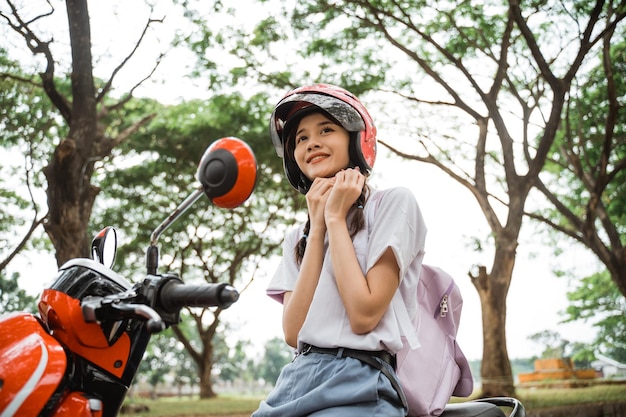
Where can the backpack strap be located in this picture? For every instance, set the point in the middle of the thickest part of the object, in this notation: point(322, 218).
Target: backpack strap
point(404, 321)
point(397, 303)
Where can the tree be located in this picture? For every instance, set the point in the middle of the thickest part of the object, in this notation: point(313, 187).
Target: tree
point(589, 158)
point(232, 362)
point(83, 109)
point(276, 355)
point(598, 299)
point(12, 298)
point(162, 358)
point(207, 244)
point(554, 344)
point(27, 124)
point(210, 245)
point(484, 76)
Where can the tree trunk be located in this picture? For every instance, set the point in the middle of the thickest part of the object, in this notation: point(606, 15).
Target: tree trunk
point(619, 277)
point(496, 375)
point(70, 202)
point(70, 193)
point(206, 382)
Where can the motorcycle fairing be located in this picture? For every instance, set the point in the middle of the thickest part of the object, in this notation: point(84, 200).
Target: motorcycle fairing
point(62, 314)
point(78, 404)
point(32, 364)
point(103, 344)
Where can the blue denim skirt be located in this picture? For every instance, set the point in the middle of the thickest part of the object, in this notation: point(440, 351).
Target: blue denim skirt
point(322, 385)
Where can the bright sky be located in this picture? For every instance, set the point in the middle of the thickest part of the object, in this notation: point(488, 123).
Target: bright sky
point(536, 296)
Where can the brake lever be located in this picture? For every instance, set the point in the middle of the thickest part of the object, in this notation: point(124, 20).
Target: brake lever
point(97, 309)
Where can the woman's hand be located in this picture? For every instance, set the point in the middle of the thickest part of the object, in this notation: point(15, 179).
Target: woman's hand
point(345, 191)
point(316, 199)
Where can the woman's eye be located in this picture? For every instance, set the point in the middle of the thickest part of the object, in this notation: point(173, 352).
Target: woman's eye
point(300, 139)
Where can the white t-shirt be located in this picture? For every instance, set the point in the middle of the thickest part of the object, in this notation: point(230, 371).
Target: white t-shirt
point(392, 220)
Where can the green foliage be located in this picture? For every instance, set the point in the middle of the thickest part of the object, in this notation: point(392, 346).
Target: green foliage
point(29, 126)
point(471, 82)
point(152, 174)
point(27, 118)
point(586, 171)
point(155, 172)
point(164, 356)
point(597, 298)
point(554, 346)
point(232, 362)
point(277, 355)
point(29, 123)
point(12, 298)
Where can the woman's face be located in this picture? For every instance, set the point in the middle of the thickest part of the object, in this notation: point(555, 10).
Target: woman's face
point(321, 147)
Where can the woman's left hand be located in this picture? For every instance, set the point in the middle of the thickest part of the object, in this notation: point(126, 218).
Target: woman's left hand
point(347, 188)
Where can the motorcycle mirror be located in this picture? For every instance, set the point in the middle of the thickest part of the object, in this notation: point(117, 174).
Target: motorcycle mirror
point(228, 172)
point(104, 246)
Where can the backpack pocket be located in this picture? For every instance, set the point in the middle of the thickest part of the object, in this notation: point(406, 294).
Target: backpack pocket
point(430, 373)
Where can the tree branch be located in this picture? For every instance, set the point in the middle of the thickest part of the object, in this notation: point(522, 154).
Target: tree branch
point(37, 46)
point(109, 83)
point(129, 95)
point(35, 222)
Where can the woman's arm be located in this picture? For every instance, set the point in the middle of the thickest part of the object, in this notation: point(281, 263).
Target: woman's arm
point(296, 304)
point(366, 298)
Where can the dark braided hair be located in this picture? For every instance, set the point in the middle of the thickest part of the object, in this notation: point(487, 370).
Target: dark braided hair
point(357, 223)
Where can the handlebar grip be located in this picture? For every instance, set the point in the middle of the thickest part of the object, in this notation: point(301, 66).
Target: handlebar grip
point(174, 295)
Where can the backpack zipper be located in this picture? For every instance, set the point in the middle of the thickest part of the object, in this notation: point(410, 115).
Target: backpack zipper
point(442, 310)
point(443, 306)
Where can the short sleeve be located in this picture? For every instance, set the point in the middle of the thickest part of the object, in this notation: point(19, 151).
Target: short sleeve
point(397, 223)
point(287, 272)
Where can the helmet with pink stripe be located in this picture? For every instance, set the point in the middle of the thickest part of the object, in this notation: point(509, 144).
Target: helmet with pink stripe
point(334, 101)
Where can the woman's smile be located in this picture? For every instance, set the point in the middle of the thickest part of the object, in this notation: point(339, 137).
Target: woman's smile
point(321, 146)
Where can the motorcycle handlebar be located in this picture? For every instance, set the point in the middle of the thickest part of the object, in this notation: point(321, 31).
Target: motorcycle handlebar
point(174, 295)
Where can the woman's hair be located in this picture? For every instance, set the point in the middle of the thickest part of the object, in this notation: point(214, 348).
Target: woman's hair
point(356, 224)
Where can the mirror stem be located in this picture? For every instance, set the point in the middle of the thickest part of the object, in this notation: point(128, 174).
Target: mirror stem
point(176, 214)
point(152, 255)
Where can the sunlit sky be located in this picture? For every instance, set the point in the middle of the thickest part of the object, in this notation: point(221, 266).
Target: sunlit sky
point(536, 296)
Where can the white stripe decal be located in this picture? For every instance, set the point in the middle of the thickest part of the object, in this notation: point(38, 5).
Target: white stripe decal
point(30, 385)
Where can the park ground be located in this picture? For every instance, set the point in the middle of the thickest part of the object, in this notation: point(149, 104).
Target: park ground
point(602, 399)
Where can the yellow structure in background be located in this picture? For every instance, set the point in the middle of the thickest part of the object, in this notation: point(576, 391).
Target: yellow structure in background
point(556, 370)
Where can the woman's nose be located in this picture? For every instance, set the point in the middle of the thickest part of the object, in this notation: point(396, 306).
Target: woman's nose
point(313, 143)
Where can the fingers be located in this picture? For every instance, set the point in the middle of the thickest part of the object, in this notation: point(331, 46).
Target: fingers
point(350, 178)
point(320, 188)
point(346, 190)
point(316, 199)
point(334, 196)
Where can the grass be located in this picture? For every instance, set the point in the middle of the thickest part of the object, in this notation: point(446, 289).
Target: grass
point(536, 398)
point(532, 398)
point(195, 407)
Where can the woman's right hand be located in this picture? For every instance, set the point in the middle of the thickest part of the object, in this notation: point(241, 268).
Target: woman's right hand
point(316, 199)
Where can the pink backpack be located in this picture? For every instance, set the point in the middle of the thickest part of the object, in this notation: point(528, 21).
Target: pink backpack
point(436, 370)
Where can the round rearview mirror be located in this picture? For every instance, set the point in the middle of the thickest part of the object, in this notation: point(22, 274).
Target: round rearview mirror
point(228, 172)
point(104, 246)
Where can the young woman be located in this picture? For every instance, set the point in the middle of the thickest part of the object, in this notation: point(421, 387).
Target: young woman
point(348, 276)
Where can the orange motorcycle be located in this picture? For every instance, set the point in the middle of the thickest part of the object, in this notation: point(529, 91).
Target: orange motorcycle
point(79, 356)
